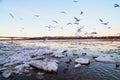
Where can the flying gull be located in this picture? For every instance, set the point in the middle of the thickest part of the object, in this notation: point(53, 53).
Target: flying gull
point(116, 5)
point(93, 32)
point(69, 23)
point(79, 29)
point(36, 15)
point(49, 27)
point(75, 1)
point(11, 15)
point(106, 23)
point(81, 12)
point(55, 21)
point(102, 22)
point(76, 19)
point(63, 12)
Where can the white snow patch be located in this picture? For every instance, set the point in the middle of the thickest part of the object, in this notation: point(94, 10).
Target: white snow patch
point(21, 67)
point(77, 65)
point(82, 61)
point(105, 59)
point(58, 53)
point(45, 65)
point(7, 73)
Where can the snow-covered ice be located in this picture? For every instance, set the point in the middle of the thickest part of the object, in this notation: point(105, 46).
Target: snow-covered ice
point(82, 61)
point(105, 58)
point(77, 65)
point(7, 73)
point(21, 58)
point(45, 65)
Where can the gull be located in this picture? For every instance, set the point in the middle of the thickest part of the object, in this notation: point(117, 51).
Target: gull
point(11, 15)
point(79, 30)
point(109, 27)
point(105, 23)
point(77, 23)
point(81, 12)
point(36, 15)
point(116, 5)
point(63, 12)
point(55, 21)
point(69, 23)
point(76, 19)
point(49, 27)
point(75, 1)
point(93, 32)
point(100, 20)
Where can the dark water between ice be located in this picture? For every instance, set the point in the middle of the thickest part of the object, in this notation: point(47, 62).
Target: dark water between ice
point(93, 71)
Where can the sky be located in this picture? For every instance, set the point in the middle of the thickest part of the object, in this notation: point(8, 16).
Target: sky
point(32, 18)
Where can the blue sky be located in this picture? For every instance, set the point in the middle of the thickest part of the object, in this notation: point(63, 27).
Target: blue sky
point(25, 23)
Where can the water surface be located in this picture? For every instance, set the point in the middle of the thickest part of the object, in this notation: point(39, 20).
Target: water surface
point(93, 71)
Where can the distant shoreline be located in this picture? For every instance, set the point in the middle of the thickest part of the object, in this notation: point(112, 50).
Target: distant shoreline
point(57, 38)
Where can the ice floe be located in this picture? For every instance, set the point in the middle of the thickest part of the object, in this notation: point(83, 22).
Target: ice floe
point(7, 73)
point(20, 58)
point(82, 61)
point(45, 65)
point(77, 65)
point(105, 59)
point(21, 68)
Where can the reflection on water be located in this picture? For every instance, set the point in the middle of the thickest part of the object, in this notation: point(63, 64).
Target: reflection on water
point(94, 45)
point(66, 71)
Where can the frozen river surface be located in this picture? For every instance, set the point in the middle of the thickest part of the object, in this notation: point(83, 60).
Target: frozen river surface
point(103, 56)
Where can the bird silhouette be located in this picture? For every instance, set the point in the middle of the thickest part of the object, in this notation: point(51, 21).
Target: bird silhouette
point(63, 12)
point(100, 20)
point(106, 23)
point(69, 23)
point(11, 15)
point(77, 23)
point(116, 5)
point(108, 27)
point(37, 15)
point(93, 32)
point(55, 21)
point(79, 29)
point(76, 19)
point(75, 1)
point(81, 12)
point(49, 27)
